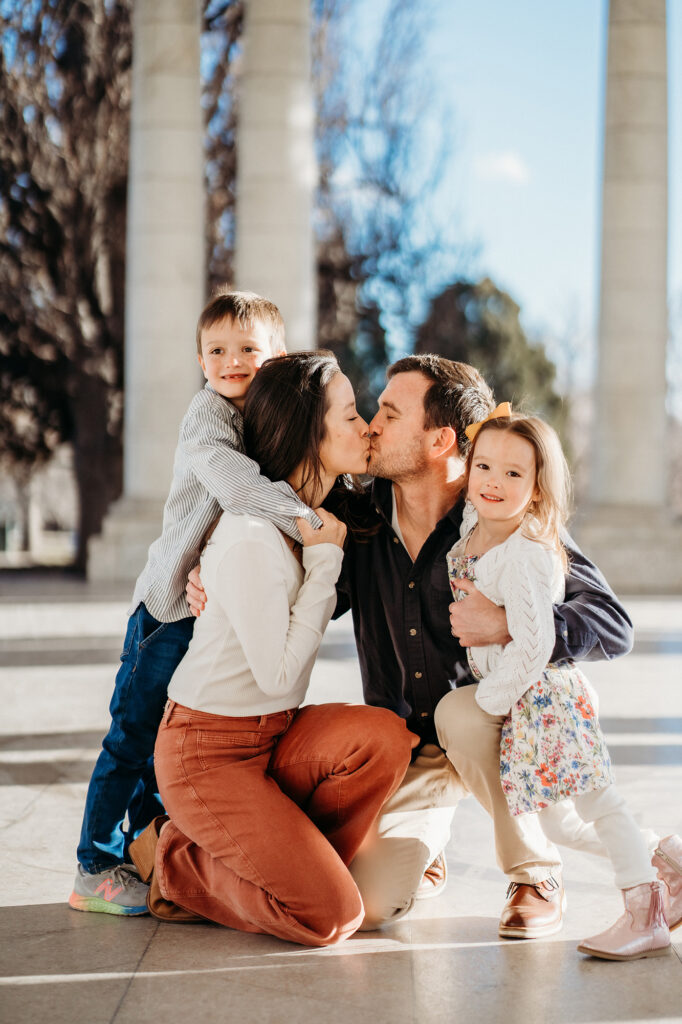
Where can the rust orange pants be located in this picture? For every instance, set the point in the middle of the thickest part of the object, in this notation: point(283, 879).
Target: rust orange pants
point(268, 812)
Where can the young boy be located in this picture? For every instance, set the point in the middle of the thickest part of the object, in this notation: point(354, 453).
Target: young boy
point(236, 333)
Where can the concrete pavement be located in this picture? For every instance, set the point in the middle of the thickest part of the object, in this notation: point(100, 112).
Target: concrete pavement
point(59, 643)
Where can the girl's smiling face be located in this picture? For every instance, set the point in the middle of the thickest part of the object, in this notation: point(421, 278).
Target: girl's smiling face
point(502, 478)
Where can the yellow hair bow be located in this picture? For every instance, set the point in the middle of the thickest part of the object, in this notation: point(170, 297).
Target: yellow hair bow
point(503, 409)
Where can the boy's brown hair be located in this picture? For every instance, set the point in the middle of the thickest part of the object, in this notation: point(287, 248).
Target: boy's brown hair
point(246, 308)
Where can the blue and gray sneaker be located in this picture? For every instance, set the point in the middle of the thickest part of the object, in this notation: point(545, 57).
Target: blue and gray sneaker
point(117, 890)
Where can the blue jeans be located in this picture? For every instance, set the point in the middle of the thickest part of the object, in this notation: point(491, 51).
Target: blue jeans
point(123, 781)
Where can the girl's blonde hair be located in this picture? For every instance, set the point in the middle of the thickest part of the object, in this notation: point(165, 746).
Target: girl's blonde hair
point(547, 514)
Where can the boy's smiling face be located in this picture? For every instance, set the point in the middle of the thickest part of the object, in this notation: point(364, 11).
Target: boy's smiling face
point(231, 355)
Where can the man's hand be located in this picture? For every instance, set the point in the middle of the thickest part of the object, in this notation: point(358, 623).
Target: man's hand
point(196, 595)
point(476, 620)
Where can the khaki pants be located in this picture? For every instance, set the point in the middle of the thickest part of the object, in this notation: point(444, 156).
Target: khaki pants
point(415, 823)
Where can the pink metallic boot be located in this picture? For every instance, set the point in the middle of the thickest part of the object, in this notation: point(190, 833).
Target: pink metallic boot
point(667, 860)
point(641, 931)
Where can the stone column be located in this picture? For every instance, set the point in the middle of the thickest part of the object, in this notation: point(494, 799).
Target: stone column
point(165, 278)
point(628, 529)
point(276, 167)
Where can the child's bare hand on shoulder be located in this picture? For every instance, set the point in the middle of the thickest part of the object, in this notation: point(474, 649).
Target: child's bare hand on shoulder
point(332, 531)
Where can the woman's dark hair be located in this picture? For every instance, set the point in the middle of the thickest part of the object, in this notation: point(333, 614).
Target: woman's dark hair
point(284, 414)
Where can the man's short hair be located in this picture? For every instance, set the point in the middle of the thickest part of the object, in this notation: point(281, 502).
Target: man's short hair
point(458, 394)
point(246, 308)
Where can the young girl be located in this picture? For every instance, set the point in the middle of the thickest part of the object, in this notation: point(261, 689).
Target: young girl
point(553, 758)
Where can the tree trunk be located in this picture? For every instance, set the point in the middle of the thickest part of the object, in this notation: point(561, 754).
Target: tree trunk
point(97, 462)
point(22, 479)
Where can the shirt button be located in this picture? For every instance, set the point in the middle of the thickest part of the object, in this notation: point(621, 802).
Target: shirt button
point(411, 584)
point(413, 632)
point(424, 714)
point(417, 675)
point(396, 541)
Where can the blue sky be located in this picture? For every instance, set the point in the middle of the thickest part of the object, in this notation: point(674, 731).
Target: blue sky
point(524, 82)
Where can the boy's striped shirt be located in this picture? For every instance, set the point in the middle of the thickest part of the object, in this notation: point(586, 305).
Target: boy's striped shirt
point(210, 473)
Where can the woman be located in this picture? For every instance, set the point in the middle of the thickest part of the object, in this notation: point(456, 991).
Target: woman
point(269, 803)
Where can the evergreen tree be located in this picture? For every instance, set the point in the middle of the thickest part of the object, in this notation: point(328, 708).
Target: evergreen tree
point(477, 323)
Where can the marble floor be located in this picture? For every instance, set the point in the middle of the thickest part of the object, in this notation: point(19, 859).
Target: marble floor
point(59, 643)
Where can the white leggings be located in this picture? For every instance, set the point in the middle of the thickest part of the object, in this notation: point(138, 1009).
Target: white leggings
point(600, 822)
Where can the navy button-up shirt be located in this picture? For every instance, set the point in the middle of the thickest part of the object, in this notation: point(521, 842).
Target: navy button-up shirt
point(408, 656)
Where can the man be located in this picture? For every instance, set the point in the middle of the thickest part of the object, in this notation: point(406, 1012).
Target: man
point(411, 642)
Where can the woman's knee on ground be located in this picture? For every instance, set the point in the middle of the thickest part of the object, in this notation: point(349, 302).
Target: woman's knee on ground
point(333, 912)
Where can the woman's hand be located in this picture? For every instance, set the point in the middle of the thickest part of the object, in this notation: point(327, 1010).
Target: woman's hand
point(332, 531)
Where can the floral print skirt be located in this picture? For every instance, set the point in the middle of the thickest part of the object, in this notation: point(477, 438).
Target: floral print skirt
point(552, 746)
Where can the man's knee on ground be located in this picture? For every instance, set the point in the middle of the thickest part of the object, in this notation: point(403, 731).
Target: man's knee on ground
point(388, 873)
point(385, 898)
point(378, 916)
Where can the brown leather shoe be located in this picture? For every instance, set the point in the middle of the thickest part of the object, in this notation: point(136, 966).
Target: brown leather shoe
point(165, 910)
point(143, 853)
point(435, 878)
point(533, 911)
point(143, 849)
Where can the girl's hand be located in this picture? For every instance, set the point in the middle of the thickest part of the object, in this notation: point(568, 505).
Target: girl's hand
point(332, 531)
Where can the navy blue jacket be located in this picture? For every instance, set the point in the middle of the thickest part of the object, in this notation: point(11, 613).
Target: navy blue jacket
point(408, 656)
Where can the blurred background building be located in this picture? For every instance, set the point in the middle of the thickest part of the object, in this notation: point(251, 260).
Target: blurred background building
point(396, 176)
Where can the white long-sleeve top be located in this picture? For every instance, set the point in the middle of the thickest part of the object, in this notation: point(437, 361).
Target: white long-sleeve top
point(527, 578)
point(210, 473)
point(254, 646)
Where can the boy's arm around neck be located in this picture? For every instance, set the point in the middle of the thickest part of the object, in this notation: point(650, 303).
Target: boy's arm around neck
point(213, 447)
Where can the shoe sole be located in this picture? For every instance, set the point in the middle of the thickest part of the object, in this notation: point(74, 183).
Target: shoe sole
point(427, 890)
point(600, 955)
point(428, 894)
point(509, 932)
point(95, 905)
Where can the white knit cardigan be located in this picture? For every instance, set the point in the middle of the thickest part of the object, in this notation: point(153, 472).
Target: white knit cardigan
point(526, 578)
